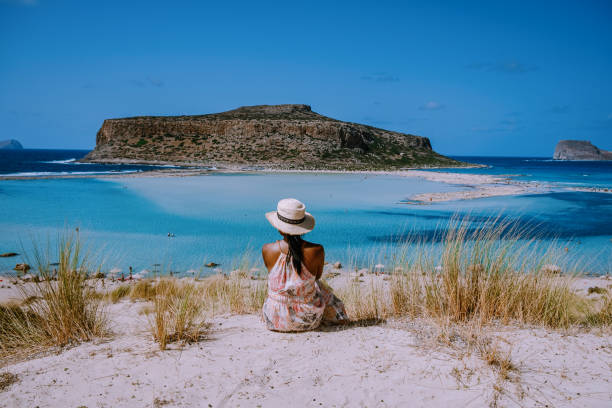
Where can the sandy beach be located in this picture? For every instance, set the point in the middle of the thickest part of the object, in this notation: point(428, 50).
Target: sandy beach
point(475, 185)
point(395, 363)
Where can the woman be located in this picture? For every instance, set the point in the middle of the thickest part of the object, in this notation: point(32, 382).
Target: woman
point(297, 300)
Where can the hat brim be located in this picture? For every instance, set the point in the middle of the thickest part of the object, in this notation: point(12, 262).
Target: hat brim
point(291, 229)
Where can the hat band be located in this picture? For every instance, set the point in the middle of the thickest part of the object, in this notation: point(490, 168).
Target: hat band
point(289, 220)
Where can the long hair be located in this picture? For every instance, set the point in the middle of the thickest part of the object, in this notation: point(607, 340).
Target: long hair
point(296, 254)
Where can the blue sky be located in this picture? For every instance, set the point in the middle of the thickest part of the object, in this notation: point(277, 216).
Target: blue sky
point(481, 78)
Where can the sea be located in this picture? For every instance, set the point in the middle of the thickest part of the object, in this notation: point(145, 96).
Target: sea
point(179, 224)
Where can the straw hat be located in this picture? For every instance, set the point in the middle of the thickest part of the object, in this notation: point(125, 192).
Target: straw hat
point(291, 217)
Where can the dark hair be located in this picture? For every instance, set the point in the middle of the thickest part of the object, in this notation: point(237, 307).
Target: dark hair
point(295, 251)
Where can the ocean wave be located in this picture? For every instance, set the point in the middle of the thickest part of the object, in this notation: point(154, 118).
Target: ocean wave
point(65, 173)
point(60, 161)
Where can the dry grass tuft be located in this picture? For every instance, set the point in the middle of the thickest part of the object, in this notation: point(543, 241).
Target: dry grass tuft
point(143, 290)
point(597, 290)
point(21, 329)
point(180, 306)
point(118, 293)
point(178, 313)
point(485, 274)
point(59, 309)
point(233, 294)
point(140, 290)
point(365, 303)
point(7, 379)
point(501, 361)
point(601, 313)
point(477, 275)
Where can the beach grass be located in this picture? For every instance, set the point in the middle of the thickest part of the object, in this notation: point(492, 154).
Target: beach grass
point(484, 274)
point(178, 313)
point(481, 274)
point(119, 293)
point(365, 302)
point(59, 308)
point(181, 306)
point(600, 314)
point(138, 290)
point(143, 290)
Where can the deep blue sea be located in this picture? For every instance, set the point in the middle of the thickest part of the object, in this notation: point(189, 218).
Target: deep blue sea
point(219, 217)
point(562, 173)
point(43, 162)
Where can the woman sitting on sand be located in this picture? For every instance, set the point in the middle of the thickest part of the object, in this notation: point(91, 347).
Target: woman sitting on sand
point(297, 300)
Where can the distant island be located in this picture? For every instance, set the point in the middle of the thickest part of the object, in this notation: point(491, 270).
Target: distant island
point(267, 136)
point(10, 144)
point(579, 150)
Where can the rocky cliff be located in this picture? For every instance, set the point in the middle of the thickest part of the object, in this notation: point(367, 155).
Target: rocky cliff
point(579, 150)
point(274, 136)
point(10, 144)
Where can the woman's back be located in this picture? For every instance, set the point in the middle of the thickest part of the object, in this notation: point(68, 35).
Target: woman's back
point(313, 255)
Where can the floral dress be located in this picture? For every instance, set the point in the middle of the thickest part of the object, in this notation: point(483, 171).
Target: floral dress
point(299, 303)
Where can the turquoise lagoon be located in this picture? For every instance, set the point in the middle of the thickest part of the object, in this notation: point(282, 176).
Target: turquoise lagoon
point(220, 217)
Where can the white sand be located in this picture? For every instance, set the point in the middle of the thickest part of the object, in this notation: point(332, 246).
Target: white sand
point(477, 186)
point(242, 364)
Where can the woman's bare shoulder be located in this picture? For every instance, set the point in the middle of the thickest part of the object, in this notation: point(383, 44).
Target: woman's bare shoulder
point(270, 253)
point(270, 246)
point(313, 247)
point(270, 249)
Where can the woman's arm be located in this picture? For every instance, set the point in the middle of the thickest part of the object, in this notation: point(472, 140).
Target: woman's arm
point(269, 252)
point(321, 262)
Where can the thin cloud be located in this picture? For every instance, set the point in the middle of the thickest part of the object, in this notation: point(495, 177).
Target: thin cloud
point(380, 77)
point(508, 67)
point(431, 105)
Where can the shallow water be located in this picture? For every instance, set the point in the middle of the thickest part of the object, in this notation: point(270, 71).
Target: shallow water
point(218, 217)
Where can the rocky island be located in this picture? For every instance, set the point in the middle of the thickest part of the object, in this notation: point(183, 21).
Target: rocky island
point(268, 136)
point(10, 144)
point(579, 150)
